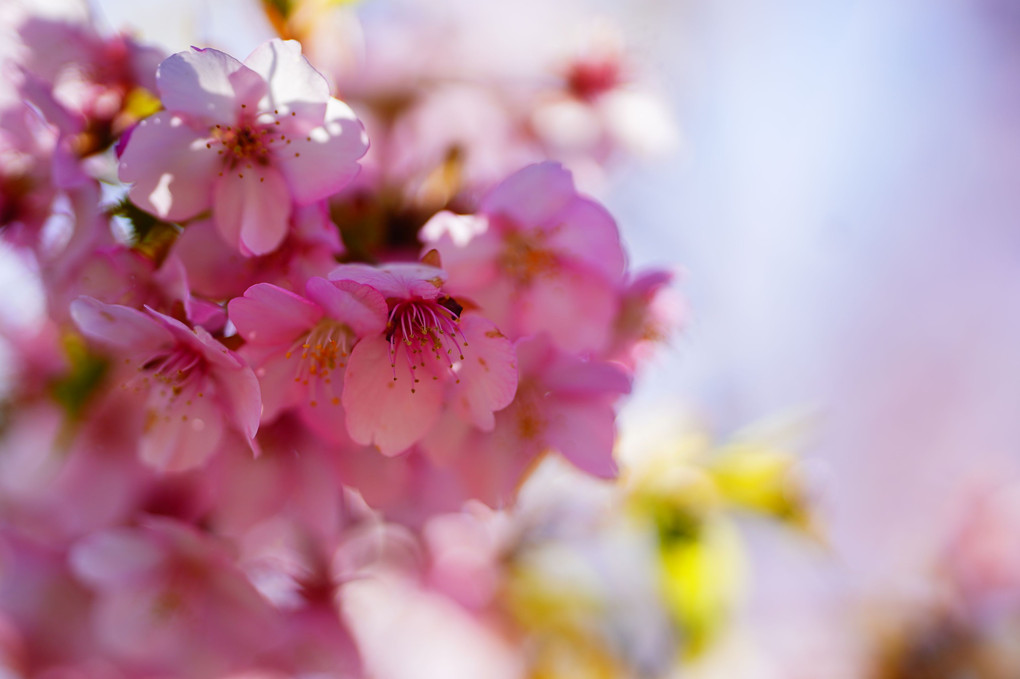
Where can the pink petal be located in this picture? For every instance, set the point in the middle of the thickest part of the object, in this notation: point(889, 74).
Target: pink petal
point(401, 629)
point(323, 160)
point(270, 315)
point(127, 623)
point(570, 375)
point(249, 88)
point(451, 438)
point(498, 301)
point(39, 94)
point(205, 314)
point(244, 397)
point(182, 430)
point(575, 306)
point(381, 481)
point(531, 196)
point(169, 166)
point(586, 231)
point(468, 248)
point(119, 327)
point(488, 373)
point(494, 468)
point(215, 269)
point(198, 340)
point(113, 557)
point(198, 83)
point(584, 433)
point(293, 84)
point(402, 280)
point(383, 411)
point(276, 374)
point(251, 207)
point(321, 407)
point(359, 306)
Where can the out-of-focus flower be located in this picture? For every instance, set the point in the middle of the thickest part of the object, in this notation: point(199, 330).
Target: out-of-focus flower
point(601, 108)
point(162, 587)
point(250, 141)
point(982, 557)
point(192, 384)
point(650, 313)
point(27, 191)
point(90, 87)
point(564, 404)
point(538, 257)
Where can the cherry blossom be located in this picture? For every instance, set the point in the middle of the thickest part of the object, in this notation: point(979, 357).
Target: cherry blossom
point(429, 353)
point(250, 141)
point(193, 386)
point(537, 257)
point(563, 404)
point(248, 433)
point(300, 345)
point(162, 587)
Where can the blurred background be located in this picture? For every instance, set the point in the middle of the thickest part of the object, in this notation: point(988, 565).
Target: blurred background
point(844, 205)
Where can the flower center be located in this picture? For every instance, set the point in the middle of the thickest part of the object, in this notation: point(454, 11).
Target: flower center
point(528, 412)
point(426, 328)
point(524, 257)
point(246, 143)
point(174, 370)
point(590, 78)
point(322, 351)
point(176, 375)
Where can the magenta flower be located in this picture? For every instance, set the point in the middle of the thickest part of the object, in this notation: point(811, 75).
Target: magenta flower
point(538, 257)
point(248, 140)
point(429, 354)
point(193, 386)
point(300, 345)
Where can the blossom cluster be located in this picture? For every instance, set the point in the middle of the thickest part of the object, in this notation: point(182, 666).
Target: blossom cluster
point(275, 422)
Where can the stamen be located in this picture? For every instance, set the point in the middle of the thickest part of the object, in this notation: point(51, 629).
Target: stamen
point(322, 351)
point(424, 327)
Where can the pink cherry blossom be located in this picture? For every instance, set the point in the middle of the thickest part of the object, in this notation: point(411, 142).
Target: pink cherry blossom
point(982, 557)
point(299, 346)
point(467, 551)
point(457, 140)
point(248, 140)
point(170, 598)
point(193, 386)
point(601, 107)
point(51, 634)
point(223, 453)
point(563, 404)
point(84, 83)
point(406, 631)
point(398, 381)
point(27, 189)
point(537, 257)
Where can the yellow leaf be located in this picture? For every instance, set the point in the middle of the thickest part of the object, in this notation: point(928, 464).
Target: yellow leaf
point(701, 581)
